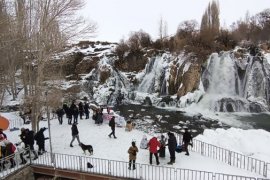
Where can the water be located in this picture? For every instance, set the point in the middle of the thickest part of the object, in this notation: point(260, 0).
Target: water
point(256, 121)
point(151, 120)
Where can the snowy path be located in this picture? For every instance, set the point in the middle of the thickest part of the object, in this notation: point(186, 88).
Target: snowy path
point(116, 149)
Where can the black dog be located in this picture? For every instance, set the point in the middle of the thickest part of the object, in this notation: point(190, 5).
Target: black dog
point(88, 148)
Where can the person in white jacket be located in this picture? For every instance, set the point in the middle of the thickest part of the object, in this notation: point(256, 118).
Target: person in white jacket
point(144, 142)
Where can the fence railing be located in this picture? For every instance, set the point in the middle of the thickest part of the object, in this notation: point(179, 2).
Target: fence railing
point(232, 158)
point(117, 168)
point(15, 123)
point(120, 169)
point(6, 167)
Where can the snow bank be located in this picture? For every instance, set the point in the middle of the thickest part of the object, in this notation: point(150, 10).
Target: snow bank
point(253, 143)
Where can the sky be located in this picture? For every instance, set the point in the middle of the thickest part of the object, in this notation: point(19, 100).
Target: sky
point(117, 18)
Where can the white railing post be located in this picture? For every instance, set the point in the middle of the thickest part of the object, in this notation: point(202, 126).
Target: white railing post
point(230, 158)
point(141, 176)
point(80, 160)
point(202, 150)
point(214, 176)
point(109, 167)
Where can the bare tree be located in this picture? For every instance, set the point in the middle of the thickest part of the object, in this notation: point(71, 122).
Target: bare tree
point(31, 32)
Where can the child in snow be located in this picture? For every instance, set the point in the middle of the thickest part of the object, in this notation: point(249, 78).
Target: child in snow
point(132, 151)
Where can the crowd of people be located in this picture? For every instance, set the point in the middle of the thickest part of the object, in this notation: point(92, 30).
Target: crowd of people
point(25, 147)
point(158, 147)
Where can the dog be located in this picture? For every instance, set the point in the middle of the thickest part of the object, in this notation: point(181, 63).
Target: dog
point(88, 148)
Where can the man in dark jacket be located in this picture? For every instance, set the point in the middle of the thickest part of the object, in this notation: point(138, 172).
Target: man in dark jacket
point(186, 140)
point(60, 113)
point(81, 109)
point(171, 146)
point(29, 141)
point(86, 110)
point(74, 133)
point(40, 139)
point(112, 125)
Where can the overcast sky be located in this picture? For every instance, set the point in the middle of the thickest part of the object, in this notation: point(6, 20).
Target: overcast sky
point(117, 18)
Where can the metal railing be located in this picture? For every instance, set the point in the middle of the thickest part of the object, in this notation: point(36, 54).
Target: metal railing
point(120, 169)
point(15, 123)
point(232, 158)
point(5, 164)
point(117, 168)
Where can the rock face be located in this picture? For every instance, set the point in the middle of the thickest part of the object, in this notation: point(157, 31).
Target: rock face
point(190, 80)
point(134, 61)
point(87, 64)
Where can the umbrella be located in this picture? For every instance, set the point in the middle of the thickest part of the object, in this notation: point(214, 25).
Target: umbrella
point(4, 123)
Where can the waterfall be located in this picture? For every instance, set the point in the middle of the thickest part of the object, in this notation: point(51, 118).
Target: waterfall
point(223, 75)
point(153, 74)
point(232, 85)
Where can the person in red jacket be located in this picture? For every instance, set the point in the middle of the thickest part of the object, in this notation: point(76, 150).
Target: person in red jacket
point(153, 145)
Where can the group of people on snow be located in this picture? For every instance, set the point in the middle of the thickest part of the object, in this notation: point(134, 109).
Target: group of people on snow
point(24, 147)
point(73, 112)
point(158, 147)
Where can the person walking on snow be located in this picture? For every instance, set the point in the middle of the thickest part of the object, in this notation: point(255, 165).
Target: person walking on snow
point(74, 133)
point(153, 145)
point(112, 125)
point(29, 141)
point(132, 151)
point(40, 139)
point(172, 146)
point(86, 110)
point(60, 113)
point(81, 110)
point(186, 140)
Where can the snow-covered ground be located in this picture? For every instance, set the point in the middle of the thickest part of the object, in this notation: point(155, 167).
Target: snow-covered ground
point(246, 141)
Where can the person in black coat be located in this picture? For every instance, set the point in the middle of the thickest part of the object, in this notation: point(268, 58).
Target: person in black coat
point(40, 139)
point(162, 146)
point(172, 146)
point(86, 110)
point(60, 113)
point(186, 140)
point(75, 114)
point(66, 108)
point(74, 133)
point(100, 116)
point(69, 115)
point(29, 141)
point(81, 110)
point(112, 125)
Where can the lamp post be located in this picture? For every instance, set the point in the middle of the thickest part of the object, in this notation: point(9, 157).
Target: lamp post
point(49, 127)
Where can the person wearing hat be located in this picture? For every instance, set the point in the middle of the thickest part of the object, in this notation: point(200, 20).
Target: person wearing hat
point(132, 151)
point(186, 140)
point(172, 146)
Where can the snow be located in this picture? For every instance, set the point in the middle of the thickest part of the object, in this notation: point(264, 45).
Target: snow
point(267, 56)
point(116, 149)
point(251, 142)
